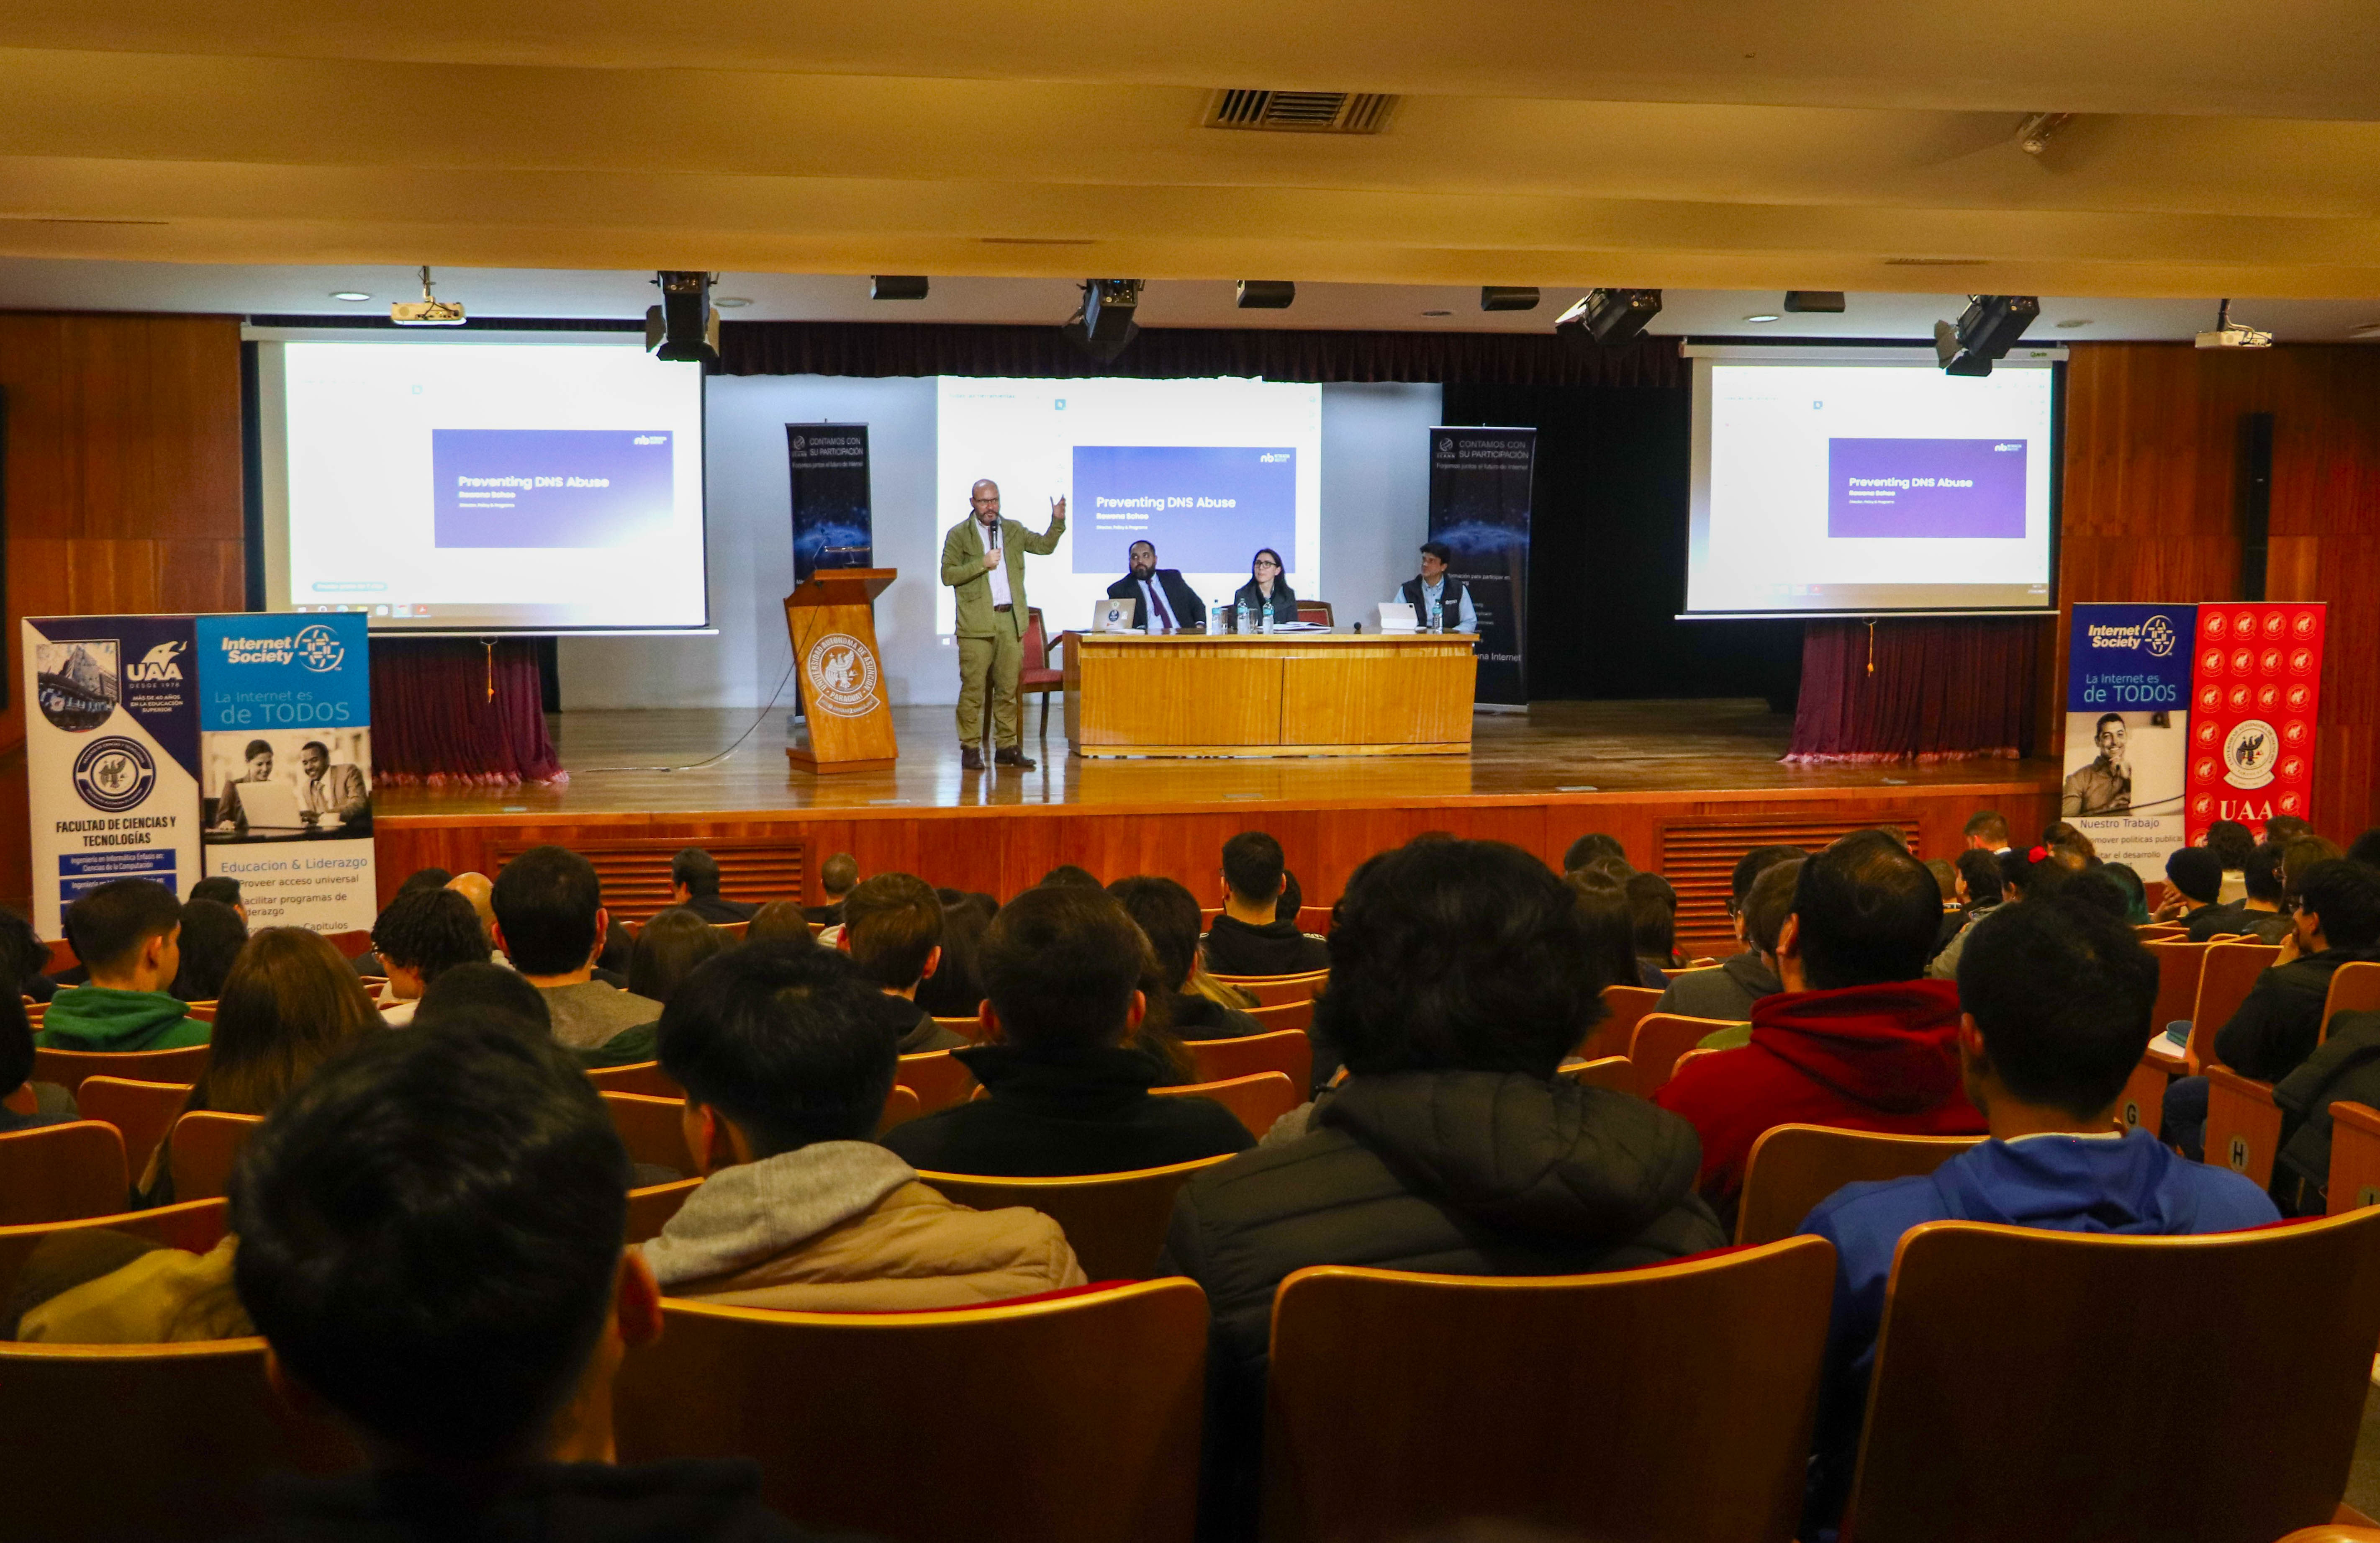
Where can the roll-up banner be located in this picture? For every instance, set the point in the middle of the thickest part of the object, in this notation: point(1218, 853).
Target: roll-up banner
point(246, 737)
point(1480, 488)
point(834, 522)
point(2178, 716)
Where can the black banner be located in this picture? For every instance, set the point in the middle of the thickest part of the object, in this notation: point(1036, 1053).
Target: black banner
point(1479, 497)
point(834, 521)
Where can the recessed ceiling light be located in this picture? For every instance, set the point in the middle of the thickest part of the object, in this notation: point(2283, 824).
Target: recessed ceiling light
point(1765, 316)
point(349, 295)
point(1437, 313)
point(2076, 321)
point(729, 302)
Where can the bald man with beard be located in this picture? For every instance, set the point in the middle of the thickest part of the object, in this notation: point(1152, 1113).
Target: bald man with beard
point(983, 559)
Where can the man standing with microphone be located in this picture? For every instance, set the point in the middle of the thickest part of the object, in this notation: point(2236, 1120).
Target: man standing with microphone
point(983, 558)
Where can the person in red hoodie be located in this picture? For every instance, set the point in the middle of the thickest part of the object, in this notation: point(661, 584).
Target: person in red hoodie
point(1857, 1038)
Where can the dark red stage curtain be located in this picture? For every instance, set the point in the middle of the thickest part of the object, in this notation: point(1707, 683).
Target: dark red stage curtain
point(1942, 689)
point(455, 710)
point(1191, 353)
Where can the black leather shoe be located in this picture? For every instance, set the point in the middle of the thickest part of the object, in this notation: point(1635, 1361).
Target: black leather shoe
point(971, 758)
point(1014, 756)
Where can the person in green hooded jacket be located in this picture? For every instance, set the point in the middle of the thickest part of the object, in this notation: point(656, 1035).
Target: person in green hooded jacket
point(127, 934)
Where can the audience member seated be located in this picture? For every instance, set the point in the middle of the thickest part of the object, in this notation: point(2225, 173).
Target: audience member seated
point(2277, 1026)
point(1977, 885)
point(780, 921)
point(1607, 929)
point(781, 1053)
point(486, 994)
point(669, 948)
point(954, 990)
point(2299, 859)
point(1292, 898)
point(1764, 910)
point(2057, 998)
point(2041, 872)
point(2136, 893)
point(1591, 848)
point(1856, 1039)
point(1249, 938)
point(1069, 876)
point(480, 890)
point(53, 1104)
point(289, 1003)
point(836, 876)
point(424, 933)
point(694, 885)
point(2258, 912)
point(1062, 972)
point(893, 930)
point(1954, 916)
point(2364, 849)
point(1653, 921)
point(23, 958)
point(127, 934)
point(1460, 978)
point(221, 889)
point(2193, 878)
point(429, 1240)
point(2231, 841)
point(1987, 832)
point(212, 936)
point(549, 920)
point(1168, 917)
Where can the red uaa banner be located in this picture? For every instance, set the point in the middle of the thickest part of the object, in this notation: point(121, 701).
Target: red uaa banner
point(2256, 695)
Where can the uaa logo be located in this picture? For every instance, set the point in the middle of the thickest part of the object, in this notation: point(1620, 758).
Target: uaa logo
point(158, 664)
point(114, 774)
point(2160, 636)
point(841, 670)
point(318, 649)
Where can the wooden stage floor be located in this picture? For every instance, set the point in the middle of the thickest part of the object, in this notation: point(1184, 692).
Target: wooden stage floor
point(1687, 786)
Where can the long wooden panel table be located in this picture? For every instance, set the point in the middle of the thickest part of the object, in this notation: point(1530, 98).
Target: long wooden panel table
point(1279, 694)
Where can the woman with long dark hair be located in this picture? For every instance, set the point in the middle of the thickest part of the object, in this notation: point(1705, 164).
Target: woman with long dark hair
point(1267, 587)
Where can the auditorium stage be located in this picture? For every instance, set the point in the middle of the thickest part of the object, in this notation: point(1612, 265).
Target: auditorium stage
point(1687, 786)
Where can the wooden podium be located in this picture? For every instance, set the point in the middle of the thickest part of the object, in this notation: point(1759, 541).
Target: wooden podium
point(832, 621)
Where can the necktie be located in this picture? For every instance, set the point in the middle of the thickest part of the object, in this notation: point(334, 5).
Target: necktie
point(1157, 601)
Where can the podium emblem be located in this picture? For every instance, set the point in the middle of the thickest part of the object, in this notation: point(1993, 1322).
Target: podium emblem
point(841, 670)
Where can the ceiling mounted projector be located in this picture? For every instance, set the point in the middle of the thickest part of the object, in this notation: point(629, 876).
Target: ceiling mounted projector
point(1986, 329)
point(683, 329)
point(1266, 294)
point(1605, 317)
point(2228, 333)
point(1103, 326)
point(426, 311)
point(1494, 296)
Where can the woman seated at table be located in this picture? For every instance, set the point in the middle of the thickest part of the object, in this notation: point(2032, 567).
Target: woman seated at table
point(1267, 587)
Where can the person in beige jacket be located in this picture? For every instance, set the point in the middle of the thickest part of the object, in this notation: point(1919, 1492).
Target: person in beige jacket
point(786, 1065)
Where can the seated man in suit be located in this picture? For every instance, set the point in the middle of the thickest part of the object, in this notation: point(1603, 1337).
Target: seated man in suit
point(1167, 605)
point(338, 791)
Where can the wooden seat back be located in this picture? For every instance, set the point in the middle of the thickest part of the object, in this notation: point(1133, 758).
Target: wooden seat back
point(202, 1011)
point(1116, 1221)
point(352, 945)
point(1793, 1167)
point(60, 1172)
point(2142, 1100)
point(644, 1078)
point(652, 1130)
point(1298, 1015)
point(205, 1146)
point(650, 1209)
point(1073, 1420)
point(1615, 1071)
point(197, 1225)
point(1270, 990)
point(1659, 1040)
point(2006, 1341)
point(204, 1420)
point(938, 1078)
point(732, 930)
point(969, 1030)
point(2354, 1157)
point(2177, 967)
point(68, 1068)
point(1257, 1098)
point(1623, 1007)
point(142, 1113)
point(2227, 973)
point(1288, 1052)
point(1504, 1397)
point(2243, 1125)
point(2354, 988)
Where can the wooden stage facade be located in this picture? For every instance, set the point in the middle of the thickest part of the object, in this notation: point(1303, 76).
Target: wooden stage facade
point(1686, 786)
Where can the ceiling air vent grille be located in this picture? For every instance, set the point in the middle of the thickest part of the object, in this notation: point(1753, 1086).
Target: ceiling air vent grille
point(1302, 112)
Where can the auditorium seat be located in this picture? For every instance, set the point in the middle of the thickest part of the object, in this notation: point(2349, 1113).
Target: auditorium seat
point(1623, 1006)
point(68, 1068)
point(2227, 973)
point(202, 1011)
point(205, 1146)
point(2243, 1125)
point(645, 1077)
point(1271, 990)
point(652, 1130)
point(1315, 919)
point(1073, 1419)
point(1116, 1221)
point(938, 1080)
point(1794, 1167)
point(1285, 1015)
point(60, 1172)
point(1316, 611)
point(901, 1106)
point(731, 930)
point(2178, 969)
point(62, 957)
point(1671, 1401)
point(650, 1209)
point(2106, 1420)
point(2354, 1157)
point(1659, 1039)
point(142, 1113)
point(1615, 1071)
point(970, 1029)
point(1259, 1098)
point(2143, 1102)
point(1689, 1058)
point(2354, 988)
point(1287, 1050)
point(197, 1225)
point(1035, 678)
point(149, 1441)
point(352, 945)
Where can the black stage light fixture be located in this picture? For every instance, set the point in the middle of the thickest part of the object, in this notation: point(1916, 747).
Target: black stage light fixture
point(1605, 317)
point(1825, 302)
point(1103, 327)
point(1266, 294)
point(683, 329)
point(1508, 297)
point(1986, 331)
point(896, 287)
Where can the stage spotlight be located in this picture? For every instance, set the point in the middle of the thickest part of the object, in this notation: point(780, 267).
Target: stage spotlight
point(897, 286)
point(1826, 302)
point(1266, 294)
point(1103, 327)
point(1605, 317)
point(1986, 329)
point(1507, 298)
point(683, 329)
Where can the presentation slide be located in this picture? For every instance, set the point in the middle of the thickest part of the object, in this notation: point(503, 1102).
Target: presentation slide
point(1868, 485)
point(457, 483)
point(1207, 471)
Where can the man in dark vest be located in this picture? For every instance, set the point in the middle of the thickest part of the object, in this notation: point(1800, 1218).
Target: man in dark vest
point(1166, 603)
point(1441, 604)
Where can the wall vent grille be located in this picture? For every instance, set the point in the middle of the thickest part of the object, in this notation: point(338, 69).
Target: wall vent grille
point(1301, 112)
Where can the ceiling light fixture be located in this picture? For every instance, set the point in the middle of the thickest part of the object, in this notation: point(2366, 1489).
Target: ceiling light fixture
point(2074, 321)
point(897, 286)
point(349, 295)
point(1986, 331)
point(1266, 294)
point(1500, 297)
point(1437, 313)
point(730, 302)
point(2033, 135)
point(2369, 332)
point(1765, 316)
point(1825, 302)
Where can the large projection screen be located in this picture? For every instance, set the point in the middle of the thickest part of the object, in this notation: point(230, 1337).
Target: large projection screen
point(1866, 481)
point(525, 482)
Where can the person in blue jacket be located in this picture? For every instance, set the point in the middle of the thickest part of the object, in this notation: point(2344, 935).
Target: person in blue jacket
point(2055, 999)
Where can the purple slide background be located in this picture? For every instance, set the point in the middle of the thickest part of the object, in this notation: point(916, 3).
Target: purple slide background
point(1993, 507)
point(637, 505)
point(1263, 494)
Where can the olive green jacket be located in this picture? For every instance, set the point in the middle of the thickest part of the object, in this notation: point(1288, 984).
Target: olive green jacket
point(963, 551)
